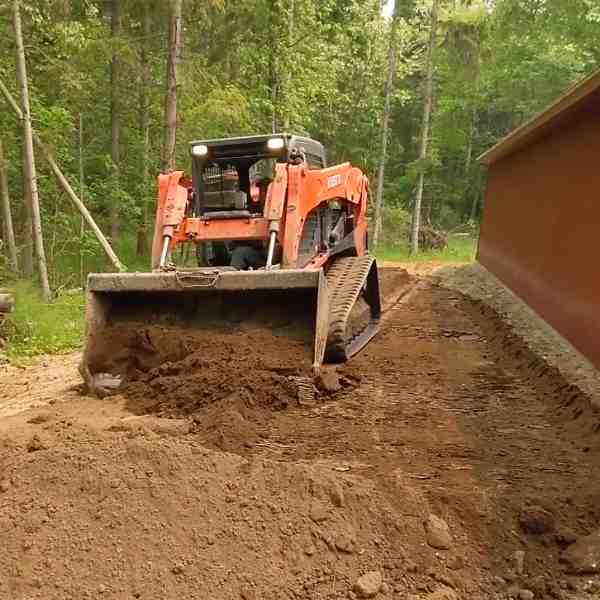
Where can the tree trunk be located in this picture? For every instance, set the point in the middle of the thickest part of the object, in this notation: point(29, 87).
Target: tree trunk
point(473, 188)
point(27, 230)
point(81, 196)
point(428, 105)
point(30, 171)
point(389, 88)
point(115, 114)
point(7, 223)
point(26, 249)
point(174, 51)
point(290, 61)
point(476, 197)
point(273, 64)
point(469, 187)
point(142, 238)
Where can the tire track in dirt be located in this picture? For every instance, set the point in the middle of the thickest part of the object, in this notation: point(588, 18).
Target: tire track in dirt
point(446, 421)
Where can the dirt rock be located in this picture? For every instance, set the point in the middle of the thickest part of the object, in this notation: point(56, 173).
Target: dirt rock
point(41, 418)
point(565, 536)
point(526, 595)
point(318, 512)
point(344, 543)
point(536, 520)
point(336, 493)
point(4, 485)
point(438, 533)
point(328, 380)
point(247, 593)
point(583, 557)
point(35, 444)
point(178, 568)
point(519, 562)
point(369, 585)
point(309, 547)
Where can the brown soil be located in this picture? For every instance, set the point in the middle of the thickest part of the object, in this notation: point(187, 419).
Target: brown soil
point(441, 415)
point(48, 380)
point(229, 393)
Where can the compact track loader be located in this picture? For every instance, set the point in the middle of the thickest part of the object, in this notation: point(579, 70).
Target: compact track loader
point(262, 228)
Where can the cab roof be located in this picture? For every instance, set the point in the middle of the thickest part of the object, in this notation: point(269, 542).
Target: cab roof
point(255, 146)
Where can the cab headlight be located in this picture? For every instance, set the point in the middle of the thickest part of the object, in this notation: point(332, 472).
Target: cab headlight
point(200, 150)
point(276, 143)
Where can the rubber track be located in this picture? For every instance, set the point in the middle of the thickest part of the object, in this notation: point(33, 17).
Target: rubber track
point(345, 281)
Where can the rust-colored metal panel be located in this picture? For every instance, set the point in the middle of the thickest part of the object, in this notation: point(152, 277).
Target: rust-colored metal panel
point(541, 228)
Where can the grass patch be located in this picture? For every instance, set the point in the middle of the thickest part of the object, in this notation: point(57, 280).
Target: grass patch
point(37, 327)
point(460, 249)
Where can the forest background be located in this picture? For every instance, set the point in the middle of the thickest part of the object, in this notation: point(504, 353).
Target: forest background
point(98, 73)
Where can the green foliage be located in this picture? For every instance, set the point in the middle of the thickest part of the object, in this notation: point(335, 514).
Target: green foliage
point(37, 327)
point(247, 67)
point(396, 227)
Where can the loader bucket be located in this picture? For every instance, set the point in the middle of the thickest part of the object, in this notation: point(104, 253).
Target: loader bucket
point(125, 311)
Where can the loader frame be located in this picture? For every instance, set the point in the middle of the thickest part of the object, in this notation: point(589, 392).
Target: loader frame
point(294, 193)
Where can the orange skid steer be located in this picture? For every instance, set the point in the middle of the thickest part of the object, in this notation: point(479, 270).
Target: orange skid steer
point(269, 229)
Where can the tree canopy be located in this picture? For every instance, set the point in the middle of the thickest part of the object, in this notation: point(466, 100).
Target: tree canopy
point(313, 67)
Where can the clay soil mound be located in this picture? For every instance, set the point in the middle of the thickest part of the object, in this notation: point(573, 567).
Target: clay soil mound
point(136, 515)
point(227, 389)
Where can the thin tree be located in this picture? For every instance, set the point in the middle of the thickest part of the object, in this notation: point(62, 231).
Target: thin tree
point(389, 89)
point(290, 63)
point(274, 60)
point(81, 196)
point(30, 172)
point(173, 55)
point(115, 116)
point(7, 223)
point(144, 123)
point(26, 247)
point(427, 108)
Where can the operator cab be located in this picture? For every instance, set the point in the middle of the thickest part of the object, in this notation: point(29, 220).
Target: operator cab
point(230, 178)
point(231, 175)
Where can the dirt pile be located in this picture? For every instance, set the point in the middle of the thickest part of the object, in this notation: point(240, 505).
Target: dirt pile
point(449, 473)
point(136, 515)
point(227, 387)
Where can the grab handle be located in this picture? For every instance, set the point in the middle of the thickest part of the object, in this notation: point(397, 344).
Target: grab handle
point(201, 279)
